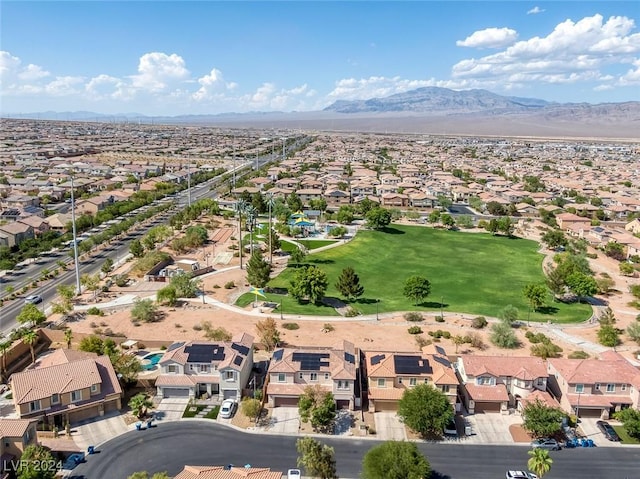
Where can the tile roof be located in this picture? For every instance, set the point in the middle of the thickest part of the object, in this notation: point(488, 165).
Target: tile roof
point(338, 366)
point(521, 367)
point(219, 472)
point(14, 427)
point(591, 371)
point(487, 393)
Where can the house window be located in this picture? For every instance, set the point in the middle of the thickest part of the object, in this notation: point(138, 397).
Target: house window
point(34, 406)
point(381, 383)
point(445, 388)
point(313, 376)
point(343, 384)
point(94, 388)
point(540, 381)
point(399, 380)
point(281, 377)
point(172, 368)
point(203, 368)
point(300, 375)
point(326, 375)
point(579, 388)
point(229, 376)
point(413, 381)
point(55, 398)
point(623, 387)
point(192, 367)
point(485, 381)
point(76, 396)
point(597, 386)
point(611, 388)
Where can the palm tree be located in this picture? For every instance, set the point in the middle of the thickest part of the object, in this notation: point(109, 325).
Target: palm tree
point(68, 336)
point(4, 347)
point(241, 206)
point(539, 462)
point(30, 337)
point(270, 203)
point(139, 404)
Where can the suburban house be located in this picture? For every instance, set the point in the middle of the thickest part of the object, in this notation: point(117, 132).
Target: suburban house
point(333, 369)
point(227, 472)
point(595, 387)
point(15, 436)
point(67, 386)
point(390, 374)
point(197, 368)
point(496, 383)
point(12, 234)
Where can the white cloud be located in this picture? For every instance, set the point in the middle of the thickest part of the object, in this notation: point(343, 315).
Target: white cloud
point(489, 38)
point(572, 52)
point(158, 71)
point(212, 86)
point(67, 85)
point(535, 10)
point(33, 72)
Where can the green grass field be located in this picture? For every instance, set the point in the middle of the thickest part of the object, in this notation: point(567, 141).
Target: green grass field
point(624, 436)
point(310, 245)
point(473, 273)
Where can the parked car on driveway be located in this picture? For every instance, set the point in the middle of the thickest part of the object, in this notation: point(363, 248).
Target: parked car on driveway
point(228, 408)
point(520, 475)
point(33, 299)
point(294, 474)
point(450, 429)
point(545, 443)
point(608, 430)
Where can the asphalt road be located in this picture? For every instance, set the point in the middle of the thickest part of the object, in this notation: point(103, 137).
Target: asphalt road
point(168, 447)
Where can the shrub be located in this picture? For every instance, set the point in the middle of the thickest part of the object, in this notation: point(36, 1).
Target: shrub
point(196, 327)
point(327, 327)
point(578, 355)
point(121, 280)
point(415, 330)
point(421, 341)
point(229, 285)
point(413, 316)
point(546, 350)
point(439, 319)
point(475, 340)
point(351, 312)
point(95, 312)
point(291, 326)
point(503, 336)
point(479, 322)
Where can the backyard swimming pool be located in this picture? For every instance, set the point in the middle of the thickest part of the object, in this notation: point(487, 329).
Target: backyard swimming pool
point(150, 360)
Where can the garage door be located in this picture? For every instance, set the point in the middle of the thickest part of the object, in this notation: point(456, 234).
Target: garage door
point(487, 407)
point(229, 394)
point(342, 404)
point(282, 401)
point(381, 406)
point(175, 392)
point(586, 412)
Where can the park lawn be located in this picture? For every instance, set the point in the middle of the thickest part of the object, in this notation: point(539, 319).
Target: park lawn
point(473, 273)
point(289, 305)
point(286, 245)
point(624, 436)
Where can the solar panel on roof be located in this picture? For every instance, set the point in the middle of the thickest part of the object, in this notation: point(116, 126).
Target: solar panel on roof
point(241, 348)
point(311, 361)
point(238, 360)
point(411, 365)
point(349, 358)
point(277, 355)
point(204, 353)
point(175, 346)
point(377, 358)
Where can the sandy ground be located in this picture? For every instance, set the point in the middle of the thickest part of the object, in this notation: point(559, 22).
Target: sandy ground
point(390, 333)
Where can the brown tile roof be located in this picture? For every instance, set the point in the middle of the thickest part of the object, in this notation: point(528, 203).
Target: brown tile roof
point(14, 427)
point(542, 396)
point(440, 373)
point(391, 393)
point(598, 400)
point(591, 371)
point(338, 366)
point(487, 393)
point(521, 367)
point(219, 472)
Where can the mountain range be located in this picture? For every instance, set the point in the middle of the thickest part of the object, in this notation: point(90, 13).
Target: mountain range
point(429, 110)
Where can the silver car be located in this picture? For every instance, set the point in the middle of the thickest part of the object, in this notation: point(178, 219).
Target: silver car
point(545, 443)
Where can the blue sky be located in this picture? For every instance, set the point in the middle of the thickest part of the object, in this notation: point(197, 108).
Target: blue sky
point(178, 57)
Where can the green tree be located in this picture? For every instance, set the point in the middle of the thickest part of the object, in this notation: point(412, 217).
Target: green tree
point(268, 333)
point(68, 337)
point(395, 460)
point(126, 366)
point(416, 288)
point(297, 255)
point(626, 269)
point(539, 462)
point(31, 315)
point(554, 239)
point(310, 282)
point(107, 266)
point(582, 285)
point(139, 405)
point(509, 314)
point(317, 459)
point(317, 406)
point(425, 409)
point(144, 310)
point(503, 336)
point(434, 216)
point(275, 242)
point(349, 284)
point(541, 420)
point(555, 282)
point(37, 462)
point(294, 202)
point(258, 269)
point(145, 475)
point(136, 249)
point(633, 331)
point(4, 349)
point(535, 295)
point(186, 286)
point(167, 295)
point(608, 335)
point(630, 419)
point(91, 282)
point(345, 215)
point(251, 408)
point(447, 220)
point(378, 218)
point(30, 337)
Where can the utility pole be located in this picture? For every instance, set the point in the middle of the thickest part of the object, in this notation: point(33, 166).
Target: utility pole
point(189, 184)
point(234, 162)
point(75, 241)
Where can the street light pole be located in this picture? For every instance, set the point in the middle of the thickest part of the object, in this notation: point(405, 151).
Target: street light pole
point(442, 307)
point(75, 241)
point(377, 309)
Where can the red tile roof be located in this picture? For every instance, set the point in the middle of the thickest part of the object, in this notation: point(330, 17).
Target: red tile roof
point(219, 472)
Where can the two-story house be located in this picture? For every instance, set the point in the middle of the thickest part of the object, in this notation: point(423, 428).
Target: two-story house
point(333, 369)
point(595, 387)
point(15, 436)
point(496, 383)
point(197, 368)
point(67, 386)
point(228, 472)
point(390, 374)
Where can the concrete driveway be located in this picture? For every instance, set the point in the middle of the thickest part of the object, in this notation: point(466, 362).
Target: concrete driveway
point(389, 427)
point(170, 409)
point(98, 431)
point(284, 420)
point(590, 429)
point(491, 428)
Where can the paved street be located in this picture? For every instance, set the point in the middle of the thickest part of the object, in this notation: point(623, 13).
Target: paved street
point(170, 446)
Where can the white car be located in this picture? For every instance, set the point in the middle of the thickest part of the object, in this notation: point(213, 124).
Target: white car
point(34, 299)
point(520, 475)
point(228, 408)
point(294, 474)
